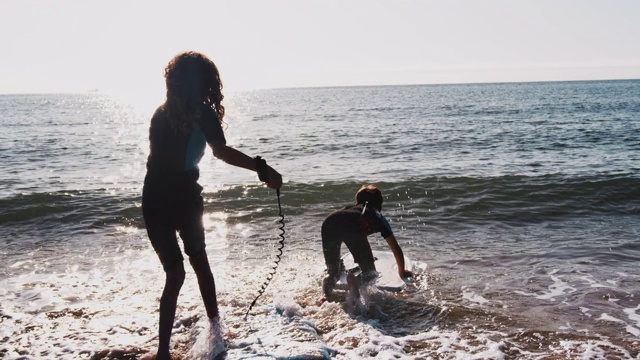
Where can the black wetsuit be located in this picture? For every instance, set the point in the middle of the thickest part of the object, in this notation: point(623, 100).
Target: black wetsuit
point(351, 227)
point(171, 197)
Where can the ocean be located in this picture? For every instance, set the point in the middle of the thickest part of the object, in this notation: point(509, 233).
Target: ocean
point(518, 204)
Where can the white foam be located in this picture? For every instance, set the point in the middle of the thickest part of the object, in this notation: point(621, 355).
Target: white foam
point(472, 296)
point(591, 350)
point(633, 315)
point(120, 309)
point(592, 283)
point(558, 288)
point(209, 340)
point(607, 317)
point(585, 311)
point(20, 263)
point(633, 330)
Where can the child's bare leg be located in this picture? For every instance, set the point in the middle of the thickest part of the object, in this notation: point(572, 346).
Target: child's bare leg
point(168, 301)
point(354, 285)
point(206, 282)
point(329, 282)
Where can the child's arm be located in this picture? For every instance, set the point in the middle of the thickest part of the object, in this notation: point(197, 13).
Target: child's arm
point(237, 158)
point(399, 255)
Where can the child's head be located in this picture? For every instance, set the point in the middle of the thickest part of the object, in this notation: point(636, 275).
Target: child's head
point(370, 194)
point(192, 78)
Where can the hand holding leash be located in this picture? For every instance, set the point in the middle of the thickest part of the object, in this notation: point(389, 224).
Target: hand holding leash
point(267, 174)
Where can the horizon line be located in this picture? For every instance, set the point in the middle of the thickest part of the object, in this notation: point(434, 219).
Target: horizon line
point(107, 92)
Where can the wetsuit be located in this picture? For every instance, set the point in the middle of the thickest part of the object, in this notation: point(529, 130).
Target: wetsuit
point(171, 197)
point(351, 227)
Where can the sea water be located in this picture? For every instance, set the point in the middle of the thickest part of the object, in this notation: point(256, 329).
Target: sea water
point(518, 203)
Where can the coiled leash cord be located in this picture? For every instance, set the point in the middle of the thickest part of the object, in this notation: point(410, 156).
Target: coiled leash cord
point(262, 167)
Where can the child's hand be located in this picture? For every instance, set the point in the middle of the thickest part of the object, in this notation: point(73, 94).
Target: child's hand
point(405, 274)
point(274, 179)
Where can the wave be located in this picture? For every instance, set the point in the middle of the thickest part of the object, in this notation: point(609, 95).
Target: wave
point(523, 199)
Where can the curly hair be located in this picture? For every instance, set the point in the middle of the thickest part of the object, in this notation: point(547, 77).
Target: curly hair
point(370, 194)
point(192, 80)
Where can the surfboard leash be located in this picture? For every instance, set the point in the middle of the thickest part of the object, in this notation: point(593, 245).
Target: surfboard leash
point(272, 272)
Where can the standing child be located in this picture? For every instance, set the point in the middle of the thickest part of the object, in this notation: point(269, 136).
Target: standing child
point(180, 130)
point(351, 226)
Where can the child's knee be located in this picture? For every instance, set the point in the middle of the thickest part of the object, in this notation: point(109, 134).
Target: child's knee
point(176, 274)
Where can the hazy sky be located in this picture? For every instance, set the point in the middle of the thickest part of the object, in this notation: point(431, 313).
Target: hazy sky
point(112, 45)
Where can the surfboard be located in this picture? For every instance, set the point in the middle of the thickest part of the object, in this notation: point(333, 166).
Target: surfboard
point(385, 264)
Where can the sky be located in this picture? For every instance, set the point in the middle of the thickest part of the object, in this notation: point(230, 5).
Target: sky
point(49, 46)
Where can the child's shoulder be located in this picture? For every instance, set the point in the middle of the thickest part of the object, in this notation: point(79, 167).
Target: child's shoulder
point(343, 211)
